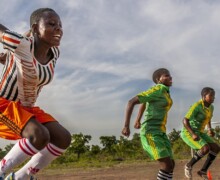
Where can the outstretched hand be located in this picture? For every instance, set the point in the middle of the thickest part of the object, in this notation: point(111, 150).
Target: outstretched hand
point(195, 137)
point(211, 133)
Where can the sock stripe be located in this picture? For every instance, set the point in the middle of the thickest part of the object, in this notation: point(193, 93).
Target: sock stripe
point(213, 153)
point(28, 146)
point(20, 145)
point(164, 175)
point(199, 153)
point(53, 151)
point(25, 148)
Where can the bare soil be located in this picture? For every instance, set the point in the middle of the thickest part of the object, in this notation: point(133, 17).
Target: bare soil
point(133, 171)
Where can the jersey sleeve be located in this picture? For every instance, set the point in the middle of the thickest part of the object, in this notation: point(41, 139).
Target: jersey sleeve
point(192, 111)
point(147, 96)
point(17, 44)
point(11, 40)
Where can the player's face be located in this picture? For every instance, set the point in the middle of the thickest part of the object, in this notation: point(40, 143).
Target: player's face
point(210, 97)
point(166, 79)
point(50, 29)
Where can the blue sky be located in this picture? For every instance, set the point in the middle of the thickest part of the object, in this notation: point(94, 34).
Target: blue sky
point(111, 48)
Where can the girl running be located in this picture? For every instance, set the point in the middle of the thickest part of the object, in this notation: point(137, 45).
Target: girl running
point(195, 121)
point(156, 102)
point(29, 65)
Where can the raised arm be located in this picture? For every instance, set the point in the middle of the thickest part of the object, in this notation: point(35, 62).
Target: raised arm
point(2, 30)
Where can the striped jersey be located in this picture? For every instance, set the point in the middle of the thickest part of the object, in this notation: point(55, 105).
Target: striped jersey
point(199, 116)
point(158, 103)
point(23, 76)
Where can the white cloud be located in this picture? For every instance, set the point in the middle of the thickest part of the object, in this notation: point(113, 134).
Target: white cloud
point(109, 45)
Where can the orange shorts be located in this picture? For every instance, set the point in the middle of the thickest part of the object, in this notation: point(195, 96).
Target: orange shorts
point(14, 116)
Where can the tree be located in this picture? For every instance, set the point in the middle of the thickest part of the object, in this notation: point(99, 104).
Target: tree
point(78, 144)
point(174, 136)
point(95, 149)
point(8, 147)
point(124, 147)
point(217, 133)
point(179, 147)
point(108, 142)
point(2, 153)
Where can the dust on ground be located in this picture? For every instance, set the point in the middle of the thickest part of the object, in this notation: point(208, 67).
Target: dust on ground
point(133, 171)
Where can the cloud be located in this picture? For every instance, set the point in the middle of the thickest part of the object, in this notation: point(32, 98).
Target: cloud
point(110, 50)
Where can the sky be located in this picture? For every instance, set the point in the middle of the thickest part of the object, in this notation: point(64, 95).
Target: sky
point(109, 51)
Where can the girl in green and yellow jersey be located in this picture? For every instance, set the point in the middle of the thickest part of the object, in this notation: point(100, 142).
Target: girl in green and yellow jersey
point(156, 103)
point(197, 118)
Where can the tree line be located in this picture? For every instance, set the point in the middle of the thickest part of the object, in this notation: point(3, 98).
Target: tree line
point(113, 149)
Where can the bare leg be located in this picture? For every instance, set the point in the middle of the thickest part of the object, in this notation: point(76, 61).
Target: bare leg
point(166, 168)
point(35, 137)
point(214, 150)
point(36, 133)
point(59, 136)
point(60, 139)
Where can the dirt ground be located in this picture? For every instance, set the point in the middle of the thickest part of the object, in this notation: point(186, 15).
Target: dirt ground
point(134, 171)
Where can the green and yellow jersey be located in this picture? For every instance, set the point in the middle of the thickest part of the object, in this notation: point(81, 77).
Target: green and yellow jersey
point(199, 116)
point(158, 102)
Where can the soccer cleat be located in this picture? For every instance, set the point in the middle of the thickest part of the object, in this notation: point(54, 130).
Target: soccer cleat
point(203, 175)
point(188, 172)
point(11, 176)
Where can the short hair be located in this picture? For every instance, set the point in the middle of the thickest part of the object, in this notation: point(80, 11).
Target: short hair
point(37, 14)
point(207, 90)
point(158, 73)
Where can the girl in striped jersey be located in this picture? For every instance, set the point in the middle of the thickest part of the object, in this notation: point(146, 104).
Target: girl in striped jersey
point(156, 102)
point(198, 116)
point(29, 65)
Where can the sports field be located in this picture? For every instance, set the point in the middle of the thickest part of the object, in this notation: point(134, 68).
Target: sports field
point(134, 171)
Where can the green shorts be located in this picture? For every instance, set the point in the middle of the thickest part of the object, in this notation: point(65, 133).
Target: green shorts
point(204, 139)
point(157, 145)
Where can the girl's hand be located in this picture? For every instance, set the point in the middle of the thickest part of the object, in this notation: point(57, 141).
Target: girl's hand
point(137, 125)
point(195, 137)
point(126, 131)
point(211, 133)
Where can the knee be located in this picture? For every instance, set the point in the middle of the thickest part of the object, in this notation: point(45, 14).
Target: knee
point(215, 148)
point(61, 139)
point(167, 164)
point(205, 149)
point(170, 167)
point(66, 139)
point(39, 137)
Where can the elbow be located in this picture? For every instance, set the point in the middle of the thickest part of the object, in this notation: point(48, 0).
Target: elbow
point(132, 102)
